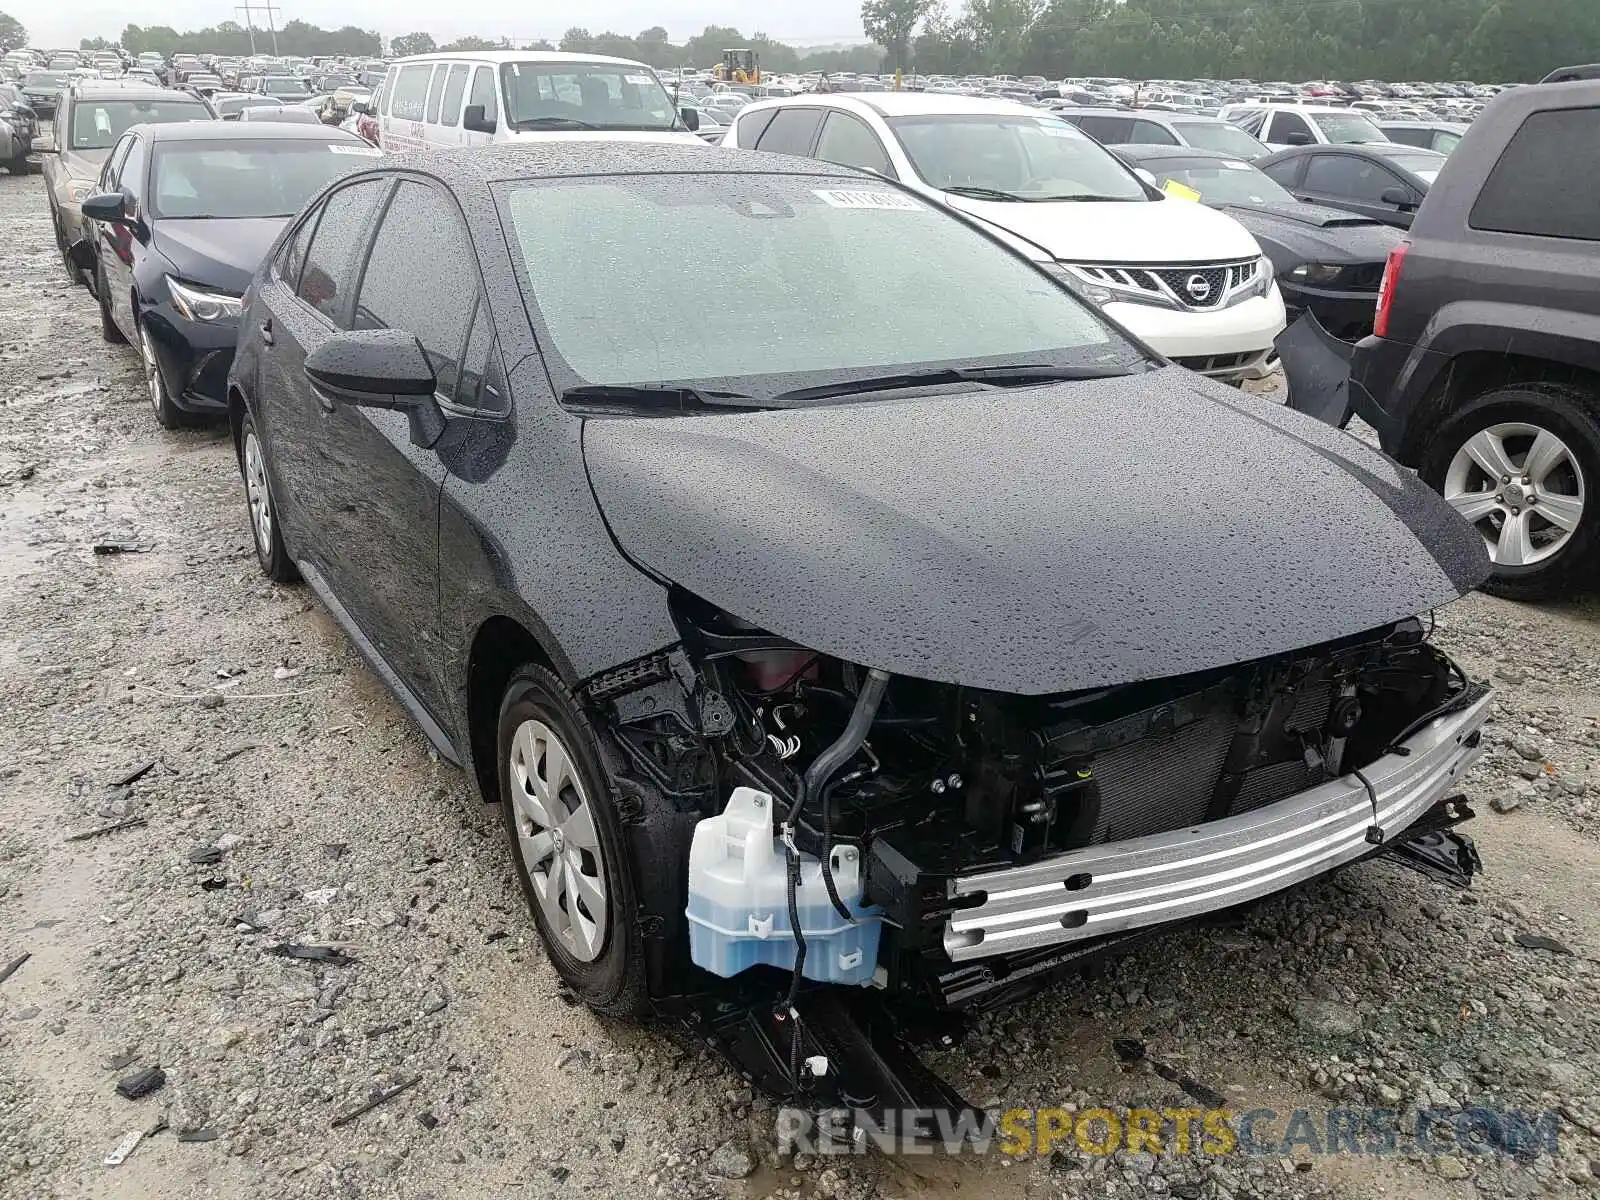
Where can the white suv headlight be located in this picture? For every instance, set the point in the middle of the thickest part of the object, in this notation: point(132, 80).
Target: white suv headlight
point(197, 304)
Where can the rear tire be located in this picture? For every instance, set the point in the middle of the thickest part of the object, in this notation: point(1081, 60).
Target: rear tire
point(558, 803)
point(266, 531)
point(1539, 510)
point(108, 324)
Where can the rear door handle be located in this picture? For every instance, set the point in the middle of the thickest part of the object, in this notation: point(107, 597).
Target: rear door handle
point(266, 331)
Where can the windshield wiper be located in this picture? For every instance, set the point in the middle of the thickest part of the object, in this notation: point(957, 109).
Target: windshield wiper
point(1006, 375)
point(563, 122)
point(982, 193)
point(669, 398)
point(1090, 198)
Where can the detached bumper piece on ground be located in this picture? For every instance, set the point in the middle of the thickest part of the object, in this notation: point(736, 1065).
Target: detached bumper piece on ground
point(1005, 840)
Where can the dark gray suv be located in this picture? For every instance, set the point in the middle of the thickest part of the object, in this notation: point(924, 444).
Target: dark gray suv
point(1484, 368)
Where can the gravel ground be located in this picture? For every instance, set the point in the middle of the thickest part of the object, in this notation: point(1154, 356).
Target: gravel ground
point(318, 815)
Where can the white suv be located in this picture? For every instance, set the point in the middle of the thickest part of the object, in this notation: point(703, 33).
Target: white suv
point(1186, 279)
point(1283, 125)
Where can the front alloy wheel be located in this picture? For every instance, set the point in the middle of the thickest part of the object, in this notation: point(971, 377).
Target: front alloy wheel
point(1522, 487)
point(168, 414)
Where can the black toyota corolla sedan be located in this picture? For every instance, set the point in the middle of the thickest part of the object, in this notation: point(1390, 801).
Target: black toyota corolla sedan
point(1326, 260)
point(840, 637)
point(183, 215)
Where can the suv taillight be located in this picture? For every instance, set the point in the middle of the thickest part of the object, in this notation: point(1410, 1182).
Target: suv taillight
point(1391, 279)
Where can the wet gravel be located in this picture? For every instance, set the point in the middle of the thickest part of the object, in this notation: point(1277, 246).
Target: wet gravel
point(287, 800)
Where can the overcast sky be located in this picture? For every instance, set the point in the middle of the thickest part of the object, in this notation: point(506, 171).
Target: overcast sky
point(60, 25)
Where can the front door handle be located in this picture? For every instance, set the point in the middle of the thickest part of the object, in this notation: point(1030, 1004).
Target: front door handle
point(266, 331)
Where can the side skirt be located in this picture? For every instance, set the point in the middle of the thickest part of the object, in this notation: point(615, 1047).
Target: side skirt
point(431, 728)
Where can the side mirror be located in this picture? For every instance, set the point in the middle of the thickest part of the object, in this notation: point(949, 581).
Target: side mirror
point(1298, 139)
point(106, 206)
point(1397, 196)
point(358, 106)
point(691, 119)
point(380, 368)
point(474, 118)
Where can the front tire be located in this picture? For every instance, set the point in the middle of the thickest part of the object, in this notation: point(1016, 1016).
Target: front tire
point(567, 843)
point(265, 530)
point(1522, 465)
point(168, 414)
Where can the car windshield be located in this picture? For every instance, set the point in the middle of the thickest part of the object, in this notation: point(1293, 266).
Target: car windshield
point(1219, 135)
point(1219, 181)
point(38, 79)
point(1445, 141)
point(284, 87)
point(247, 178)
point(585, 95)
point(1348, 127)
point(865, 250)
point(1013, 156)
point(97, 124)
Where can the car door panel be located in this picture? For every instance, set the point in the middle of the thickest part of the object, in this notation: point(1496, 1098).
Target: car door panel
point(119, 245)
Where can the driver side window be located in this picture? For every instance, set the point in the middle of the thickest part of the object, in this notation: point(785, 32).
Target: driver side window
point(1286, 124)
point(108, 175)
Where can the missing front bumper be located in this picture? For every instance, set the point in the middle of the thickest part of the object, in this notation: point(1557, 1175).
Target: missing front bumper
point(1109, 889)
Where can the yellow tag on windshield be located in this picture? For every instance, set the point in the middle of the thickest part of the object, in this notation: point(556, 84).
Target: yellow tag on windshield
point(1179, 191)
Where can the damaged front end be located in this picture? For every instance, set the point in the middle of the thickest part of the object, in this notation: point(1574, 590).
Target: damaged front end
point(950, 848)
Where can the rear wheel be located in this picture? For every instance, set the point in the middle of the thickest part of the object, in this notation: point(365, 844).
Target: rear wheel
point(568, 845)
point(1521, 464)
point(265, 530)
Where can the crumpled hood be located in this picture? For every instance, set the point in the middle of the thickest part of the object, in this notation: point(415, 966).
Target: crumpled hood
point(1034, 540)
point(1155, 231)
point(221, 254)
point(1319, 234)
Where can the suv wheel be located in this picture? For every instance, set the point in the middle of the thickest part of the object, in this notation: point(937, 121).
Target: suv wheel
point(567, 843)
point(1522, 463)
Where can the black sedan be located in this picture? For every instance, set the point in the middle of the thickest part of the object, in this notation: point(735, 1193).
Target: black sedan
point(183, 216)
point(1326, 260)
point(1382, 180)
point(832, 638)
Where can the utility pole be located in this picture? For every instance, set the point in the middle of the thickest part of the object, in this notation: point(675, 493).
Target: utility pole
point(249, 25)
point(267, 7)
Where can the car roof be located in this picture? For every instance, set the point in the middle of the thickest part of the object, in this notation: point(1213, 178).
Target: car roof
point(121, 89)
point(905, 104)
point(1152, 153)
point(514, 56)
point(471, 166)
point(230, 131)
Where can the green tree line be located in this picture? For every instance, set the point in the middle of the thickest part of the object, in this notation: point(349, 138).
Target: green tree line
point(1483, 40)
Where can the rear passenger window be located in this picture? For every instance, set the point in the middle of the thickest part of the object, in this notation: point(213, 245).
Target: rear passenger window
point(422, 277)
point(1545, 181)
point(1349, 176)
point(410, 93)
point(455, 85)
point(1111, 131)
point(1284, 172)
point(849, 142)
point(335, 251)
point(483, 94)
point(1148, 133)
point(791, 131)
point(434, 94)
point(749, 127)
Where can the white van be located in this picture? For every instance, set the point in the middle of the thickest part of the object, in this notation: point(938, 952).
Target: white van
point(479, 98)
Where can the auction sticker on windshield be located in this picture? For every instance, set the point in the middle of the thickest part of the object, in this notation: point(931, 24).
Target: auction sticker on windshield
point(847, 199)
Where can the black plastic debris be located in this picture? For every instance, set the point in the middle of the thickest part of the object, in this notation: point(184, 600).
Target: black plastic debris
point(379, 1030)
point(213, 885)
point(498, 935)
point(1541, 941)
point(560, 1174)
point(427, 1120)
point(141, 1083)
point(335, 849)
point(380, 1098)
point(133, 776)
point(10, 969)
point(1127, 1049)
point(109, 546)
point(205, 855)
point(321, 954)
point(198, 1135)
point(130, 823)
point(1189, 1085)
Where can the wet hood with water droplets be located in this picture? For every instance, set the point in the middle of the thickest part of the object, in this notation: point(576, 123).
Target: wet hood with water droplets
point(1035, 540)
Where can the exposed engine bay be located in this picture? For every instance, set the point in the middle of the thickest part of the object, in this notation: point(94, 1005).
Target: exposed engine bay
point(934, 800)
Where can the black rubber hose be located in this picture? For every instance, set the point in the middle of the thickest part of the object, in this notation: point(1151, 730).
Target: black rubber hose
point(793, 857)
point(827, 855)
point(855, 732)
